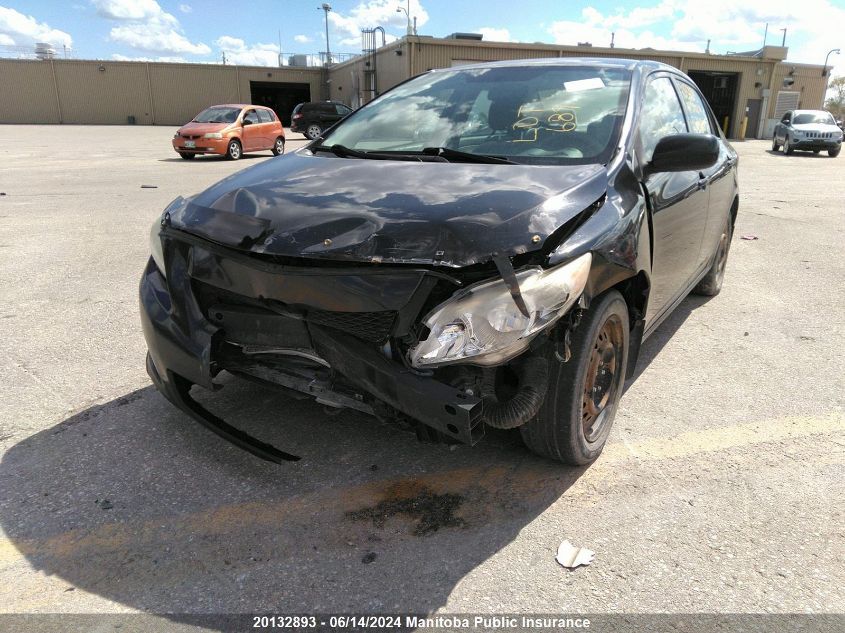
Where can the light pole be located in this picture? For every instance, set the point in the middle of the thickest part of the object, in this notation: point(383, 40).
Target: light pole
point(326, 7)
point(826, 57)
point(409, 30)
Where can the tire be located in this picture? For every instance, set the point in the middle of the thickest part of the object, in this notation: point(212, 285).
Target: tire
point(313, 131)
point(816, 151)
point(235, 150)
point(278, 146)
point(787, 146)
point(570, 427)
point(833, 153)
point(775, 145)
point(711, 283)
point(187, 156)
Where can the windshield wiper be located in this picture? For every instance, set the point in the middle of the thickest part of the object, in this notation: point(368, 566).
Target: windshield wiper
point(455, 155)
point(347, 152)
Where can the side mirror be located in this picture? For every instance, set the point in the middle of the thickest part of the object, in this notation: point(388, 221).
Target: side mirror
point(684, 152)
point(246, 122)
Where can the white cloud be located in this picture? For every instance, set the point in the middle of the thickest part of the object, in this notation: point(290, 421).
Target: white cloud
point(302, 39)
point(238, 52)
point(814, 26)
point(495, 35)
point(186, 8)
point(17, 28)
point(145, 26)
point(163, 58)
point(6, 40)
point(154, 38)
point(374, 13)
point(141, 10)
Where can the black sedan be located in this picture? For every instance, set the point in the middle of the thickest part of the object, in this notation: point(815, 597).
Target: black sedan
point(479, 247)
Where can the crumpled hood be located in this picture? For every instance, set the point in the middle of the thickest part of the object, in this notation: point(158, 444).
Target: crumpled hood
point(450, 214)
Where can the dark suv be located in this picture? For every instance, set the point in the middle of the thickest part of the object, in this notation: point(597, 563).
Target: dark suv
point(312, 118)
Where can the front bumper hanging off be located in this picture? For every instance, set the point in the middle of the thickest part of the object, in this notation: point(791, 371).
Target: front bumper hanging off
point(185, 347)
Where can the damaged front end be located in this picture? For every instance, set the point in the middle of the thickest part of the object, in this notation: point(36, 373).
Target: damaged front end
point(446, 353)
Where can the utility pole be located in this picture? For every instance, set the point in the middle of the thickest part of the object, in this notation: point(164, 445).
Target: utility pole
point(326, 7)
point(765, 35)
point(783, 43)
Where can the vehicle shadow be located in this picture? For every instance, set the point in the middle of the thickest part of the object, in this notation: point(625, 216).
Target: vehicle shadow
point(213, 158)
point(133, 501)
point(799, 153)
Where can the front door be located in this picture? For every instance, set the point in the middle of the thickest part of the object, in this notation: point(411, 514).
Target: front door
point(677, 200)
point(251, 131)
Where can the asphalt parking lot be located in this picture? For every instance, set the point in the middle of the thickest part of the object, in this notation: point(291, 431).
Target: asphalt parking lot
point(721, 489)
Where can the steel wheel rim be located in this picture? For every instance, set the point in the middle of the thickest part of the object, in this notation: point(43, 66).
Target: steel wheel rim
point(604, 378)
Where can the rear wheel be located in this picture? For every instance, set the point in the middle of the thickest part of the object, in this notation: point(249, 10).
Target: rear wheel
point(279, 146)
point(833, 153)
point(187, 156)
point(816, 151)
point(711, 284)
point(583, 394)
point(234, 150)
point(313, 131)
point(775, 144)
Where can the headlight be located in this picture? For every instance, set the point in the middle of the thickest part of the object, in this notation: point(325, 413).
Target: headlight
point(176, 135)
point(483, 325)
point(155, 246)
point(213, 135)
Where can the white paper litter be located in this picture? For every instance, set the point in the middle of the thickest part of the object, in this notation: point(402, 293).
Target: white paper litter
point(571, 556)
point(583, 84)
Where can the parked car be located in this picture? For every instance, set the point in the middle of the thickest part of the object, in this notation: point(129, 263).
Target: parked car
point(231, 131)
point(485, 246)
point(809, 130)
point(313, 118)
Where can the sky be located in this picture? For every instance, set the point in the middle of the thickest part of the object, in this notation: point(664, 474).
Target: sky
point(250, 32)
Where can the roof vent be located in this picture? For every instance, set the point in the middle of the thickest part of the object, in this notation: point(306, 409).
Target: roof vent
point(465, 36)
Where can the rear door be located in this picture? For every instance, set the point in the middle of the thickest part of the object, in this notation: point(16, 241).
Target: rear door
point(267, 128)
point(719, 177)
point(678, 201)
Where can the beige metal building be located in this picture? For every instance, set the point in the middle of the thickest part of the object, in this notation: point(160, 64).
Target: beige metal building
point(759, 85)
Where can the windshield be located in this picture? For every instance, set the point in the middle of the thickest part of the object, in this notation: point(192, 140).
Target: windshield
point(813, 117)
point(529, 114)
point(218, 115)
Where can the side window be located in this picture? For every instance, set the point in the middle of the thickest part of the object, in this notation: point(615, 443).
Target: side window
point(264, 116)
point(661, 115)
point(697, 119)
point(251, 116)
point(342, 110)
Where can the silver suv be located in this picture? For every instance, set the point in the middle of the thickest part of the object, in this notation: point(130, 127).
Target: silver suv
point(811, 130)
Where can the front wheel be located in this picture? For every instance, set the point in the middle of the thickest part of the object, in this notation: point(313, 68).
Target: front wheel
point(234, 150)
point(787, 147)
point(187, 155)
point(833, 153)
point(279, 146)
point(313, 131)
point(583, 393)
point(775, 144)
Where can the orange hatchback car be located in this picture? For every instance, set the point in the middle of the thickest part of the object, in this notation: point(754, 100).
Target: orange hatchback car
point(230, 130)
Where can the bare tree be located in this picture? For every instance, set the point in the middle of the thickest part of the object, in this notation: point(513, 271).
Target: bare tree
point(835, 103)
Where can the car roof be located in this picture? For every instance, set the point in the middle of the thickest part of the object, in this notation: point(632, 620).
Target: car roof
point(810, 112)
point(606, 62)
point(238, 105)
